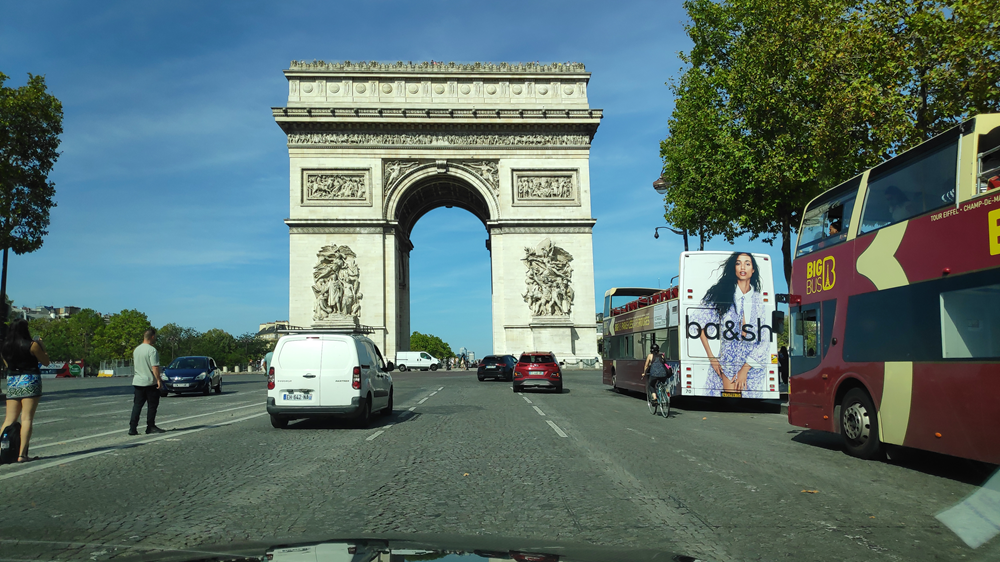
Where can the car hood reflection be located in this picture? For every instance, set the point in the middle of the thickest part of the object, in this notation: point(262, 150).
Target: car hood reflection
point(413, 549)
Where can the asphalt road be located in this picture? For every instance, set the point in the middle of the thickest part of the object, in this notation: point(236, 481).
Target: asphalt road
point(718, 481)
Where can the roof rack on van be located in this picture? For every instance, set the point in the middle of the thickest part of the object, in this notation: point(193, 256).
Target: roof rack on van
point(359, 329)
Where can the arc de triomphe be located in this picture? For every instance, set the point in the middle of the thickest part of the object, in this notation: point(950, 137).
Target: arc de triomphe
point(373, 147)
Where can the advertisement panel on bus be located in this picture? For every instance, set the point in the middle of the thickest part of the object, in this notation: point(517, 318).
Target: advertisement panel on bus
point(728, 347)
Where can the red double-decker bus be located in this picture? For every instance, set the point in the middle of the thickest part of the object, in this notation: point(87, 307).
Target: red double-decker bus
point(895, 302)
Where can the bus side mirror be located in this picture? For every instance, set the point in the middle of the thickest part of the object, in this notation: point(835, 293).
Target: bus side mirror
point(777, 321)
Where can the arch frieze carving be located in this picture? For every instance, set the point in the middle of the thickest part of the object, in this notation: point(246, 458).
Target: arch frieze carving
point(549, 280)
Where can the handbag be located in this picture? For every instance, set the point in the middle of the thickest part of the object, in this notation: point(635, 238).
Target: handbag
point(10, 443)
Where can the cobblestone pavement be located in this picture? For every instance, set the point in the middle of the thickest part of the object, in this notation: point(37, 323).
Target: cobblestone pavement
point(467, 458)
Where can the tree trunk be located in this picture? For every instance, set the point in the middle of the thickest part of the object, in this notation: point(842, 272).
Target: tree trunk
point(3, 299)
point(786, 251)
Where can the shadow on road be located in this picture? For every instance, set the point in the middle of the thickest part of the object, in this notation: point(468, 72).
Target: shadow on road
point(377, 421)
point(934, 464)
point(699, 404)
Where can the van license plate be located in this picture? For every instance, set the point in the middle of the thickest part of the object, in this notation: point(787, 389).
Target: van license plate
point(732, 394)
point(297, 396)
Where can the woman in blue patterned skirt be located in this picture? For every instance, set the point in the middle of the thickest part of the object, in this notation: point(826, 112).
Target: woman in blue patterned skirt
point(24, 380)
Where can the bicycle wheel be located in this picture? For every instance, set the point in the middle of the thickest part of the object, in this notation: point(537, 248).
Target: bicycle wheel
point(650, 402)
point(664, 397)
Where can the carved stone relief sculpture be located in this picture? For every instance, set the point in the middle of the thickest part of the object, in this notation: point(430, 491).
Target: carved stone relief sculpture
point(488, 170)
point(545, 187)
point(336, 284)
point(336, 188)
point(549, 280)
point(395, 170)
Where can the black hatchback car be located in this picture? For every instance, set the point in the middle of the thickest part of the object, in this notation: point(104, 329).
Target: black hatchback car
point(499, 367)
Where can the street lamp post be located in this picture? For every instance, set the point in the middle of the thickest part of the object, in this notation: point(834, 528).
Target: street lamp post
point(661, 186)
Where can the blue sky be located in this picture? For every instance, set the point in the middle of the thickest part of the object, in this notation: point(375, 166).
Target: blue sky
point(173, 179)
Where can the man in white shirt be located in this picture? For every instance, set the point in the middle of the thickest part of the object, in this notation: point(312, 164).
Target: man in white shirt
point(146, 381)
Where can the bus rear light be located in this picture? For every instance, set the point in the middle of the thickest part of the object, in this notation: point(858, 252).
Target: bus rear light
point(826, 417)
point(938, 435)
point(356, 380)
point(270, 378)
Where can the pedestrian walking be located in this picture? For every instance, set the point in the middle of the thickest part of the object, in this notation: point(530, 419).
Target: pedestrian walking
point(146, 381)
point(783, 365)
point(21, 355)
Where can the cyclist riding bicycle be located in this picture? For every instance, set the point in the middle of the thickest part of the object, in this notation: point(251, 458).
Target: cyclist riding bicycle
point(657, 370)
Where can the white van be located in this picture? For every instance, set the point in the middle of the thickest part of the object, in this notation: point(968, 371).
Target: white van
point(416, 360)
point(327, 375)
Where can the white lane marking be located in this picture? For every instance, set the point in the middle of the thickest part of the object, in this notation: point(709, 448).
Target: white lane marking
point(556, 427)
point(540, 412)
point(162, 422)
point(640, 433)
point(526, 399)
point(412, 408)
point(424, 400)
point(170, 435)
point(104, 397)
point(432, 394)
point(374, 435)
point(440, 389)
point(44, 421)
point(40, 411)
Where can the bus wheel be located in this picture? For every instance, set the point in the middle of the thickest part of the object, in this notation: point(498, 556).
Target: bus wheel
point(859, 425)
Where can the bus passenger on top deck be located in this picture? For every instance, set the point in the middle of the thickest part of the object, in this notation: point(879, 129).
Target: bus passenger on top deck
point(732, 304)
point(900, 206)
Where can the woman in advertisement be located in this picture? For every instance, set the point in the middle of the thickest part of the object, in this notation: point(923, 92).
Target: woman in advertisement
point(731, 307)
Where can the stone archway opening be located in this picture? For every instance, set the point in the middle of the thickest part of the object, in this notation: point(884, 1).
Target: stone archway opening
point(437, 191)
point(417, 200)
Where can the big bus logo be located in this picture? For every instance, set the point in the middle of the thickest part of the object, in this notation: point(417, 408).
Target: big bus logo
point(820, 275)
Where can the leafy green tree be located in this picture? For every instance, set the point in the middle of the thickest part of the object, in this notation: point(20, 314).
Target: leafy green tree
point(431, 344)
point(30, 125)
point(83, 327)
point(781, 101)
point(174, 341)
point(122, 334)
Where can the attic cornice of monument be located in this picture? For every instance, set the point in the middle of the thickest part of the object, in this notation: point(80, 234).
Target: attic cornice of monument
point(451, 114)
point(433, 67)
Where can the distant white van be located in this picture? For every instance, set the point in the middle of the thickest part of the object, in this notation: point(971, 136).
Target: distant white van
point(416, 360)
point(327, 375)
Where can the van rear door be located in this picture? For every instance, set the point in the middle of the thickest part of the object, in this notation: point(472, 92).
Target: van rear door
point(337, 372)
point(296, 373)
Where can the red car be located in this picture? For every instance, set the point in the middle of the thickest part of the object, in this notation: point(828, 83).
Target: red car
point(537, 369)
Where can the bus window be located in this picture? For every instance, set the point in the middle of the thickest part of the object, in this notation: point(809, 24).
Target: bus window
point(826, 221)
point(805, 337)
point(912, 187)
point(673, 347)
point(829, 313)
point(970, 323)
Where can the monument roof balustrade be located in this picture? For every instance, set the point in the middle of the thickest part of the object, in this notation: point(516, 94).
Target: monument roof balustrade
point(437, 87)
point(438, 67)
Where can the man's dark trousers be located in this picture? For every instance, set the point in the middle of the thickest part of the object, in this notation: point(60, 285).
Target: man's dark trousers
point(144, 395)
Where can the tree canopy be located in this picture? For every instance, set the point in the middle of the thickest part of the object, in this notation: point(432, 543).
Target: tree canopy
point(90, 337)
point(783, 100)
point(431, 344)
point(30, 125)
